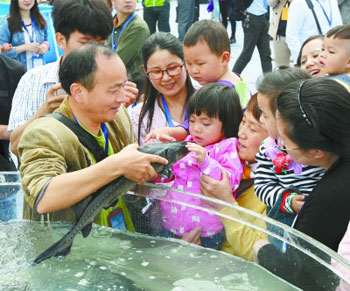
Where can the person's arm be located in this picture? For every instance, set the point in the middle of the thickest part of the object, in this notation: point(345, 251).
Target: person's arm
point(51, 103)
point(3, 132)
point(165, 134)
point(45, 160)
point(67, 189)
point(296, 14)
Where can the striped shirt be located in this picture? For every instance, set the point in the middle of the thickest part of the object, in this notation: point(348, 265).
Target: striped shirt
point(31, 93)
point(269, 185)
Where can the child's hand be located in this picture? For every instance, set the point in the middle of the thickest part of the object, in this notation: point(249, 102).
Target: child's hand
point(200, 151)
point(162, 134)
point(193, 236)
point(297, 202)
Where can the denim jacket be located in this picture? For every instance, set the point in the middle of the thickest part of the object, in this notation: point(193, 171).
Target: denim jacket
point(18, 39)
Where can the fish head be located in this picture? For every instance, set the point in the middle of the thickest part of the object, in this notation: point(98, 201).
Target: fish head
point(172, 151)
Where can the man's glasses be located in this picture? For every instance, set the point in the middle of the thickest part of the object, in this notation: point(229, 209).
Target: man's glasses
point(171, 71)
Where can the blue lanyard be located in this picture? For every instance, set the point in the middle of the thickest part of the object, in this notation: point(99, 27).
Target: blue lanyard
point(104, 130)
point(115, 44)
point(167, 113)
point(31, 38)
point(325, 13)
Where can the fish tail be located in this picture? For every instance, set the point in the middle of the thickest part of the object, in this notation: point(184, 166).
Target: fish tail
point(60, 248)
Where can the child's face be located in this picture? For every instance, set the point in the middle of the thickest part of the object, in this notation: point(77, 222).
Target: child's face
point(310, 61)
point(166, 85)
point(267, 118)
point(203, 65)
point(205, 130)
point(250, 135)
point(335, 56)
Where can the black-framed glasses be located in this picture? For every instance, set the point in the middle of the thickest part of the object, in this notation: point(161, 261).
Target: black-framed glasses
point(281, 146)
point(172, 71)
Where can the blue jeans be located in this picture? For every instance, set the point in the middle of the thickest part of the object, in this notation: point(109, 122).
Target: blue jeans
point(212, 242)
point(185, 16)
point(160, 14)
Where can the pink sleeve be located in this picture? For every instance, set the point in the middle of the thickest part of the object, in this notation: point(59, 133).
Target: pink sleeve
point(224, 156)
point(344, 251)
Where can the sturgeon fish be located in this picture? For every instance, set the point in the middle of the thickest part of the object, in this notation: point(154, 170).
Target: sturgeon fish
point(86, 210)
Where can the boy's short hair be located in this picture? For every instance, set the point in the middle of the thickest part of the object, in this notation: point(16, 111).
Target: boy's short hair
point(90, 17)
point(340, 32)
point(211, 32)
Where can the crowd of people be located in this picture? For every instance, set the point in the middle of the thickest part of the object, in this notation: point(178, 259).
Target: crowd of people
point(281, 152)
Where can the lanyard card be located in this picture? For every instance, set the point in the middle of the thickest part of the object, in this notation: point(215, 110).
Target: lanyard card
point(37, 61)
point(116, 219)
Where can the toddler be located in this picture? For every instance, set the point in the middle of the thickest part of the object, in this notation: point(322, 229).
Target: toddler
point(214, 117)
point(335, 55)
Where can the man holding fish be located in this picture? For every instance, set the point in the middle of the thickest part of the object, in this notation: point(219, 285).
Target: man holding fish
point(57, 170)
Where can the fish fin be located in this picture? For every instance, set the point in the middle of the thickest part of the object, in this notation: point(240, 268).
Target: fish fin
point(86, 229)
point(79, 207)
point(57, 249)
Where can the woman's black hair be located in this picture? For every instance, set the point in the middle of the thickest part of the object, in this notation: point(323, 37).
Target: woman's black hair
point(221, 101)
point(272, 83)
point(159, 41)
point(15, 19)
point(317, 116)
point(317, 36)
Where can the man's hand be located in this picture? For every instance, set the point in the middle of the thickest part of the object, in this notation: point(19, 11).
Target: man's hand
point(131, 92)
point(135, 165)
point(53, 101)
point(200, 152)
point(220, 190)
point(194, 236)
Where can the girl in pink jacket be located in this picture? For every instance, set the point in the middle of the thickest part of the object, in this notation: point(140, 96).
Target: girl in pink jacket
point(214, 116)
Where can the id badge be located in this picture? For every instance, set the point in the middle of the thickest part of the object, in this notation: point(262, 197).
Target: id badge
point(37, 61)
point(284, 15)
point(116, 219)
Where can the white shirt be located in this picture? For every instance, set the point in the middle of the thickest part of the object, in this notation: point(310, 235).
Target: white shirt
point(301, 23)
point(31, 93)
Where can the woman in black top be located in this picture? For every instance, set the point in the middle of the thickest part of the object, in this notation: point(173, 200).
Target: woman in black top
point(313, 121)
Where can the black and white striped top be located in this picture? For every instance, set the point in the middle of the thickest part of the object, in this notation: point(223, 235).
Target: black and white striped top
point(269, 185)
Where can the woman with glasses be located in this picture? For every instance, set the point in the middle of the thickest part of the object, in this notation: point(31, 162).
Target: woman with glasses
point(167, 88)
point(313, 123)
